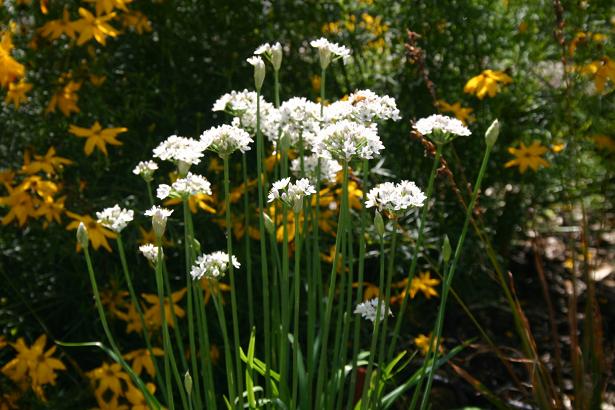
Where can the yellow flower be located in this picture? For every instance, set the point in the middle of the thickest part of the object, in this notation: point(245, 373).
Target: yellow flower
point(331, 27)
point(7, 176)
point(212, 288)
point(97, 233)
point(114, 299)
point(132, 319)
point(97, 80)
point(604, 142)
point(51, 210)
point(137, 21)
point(90, 27)
point(55, 28)
point(17, 93)
point(10, 69)
point(195, 202)
point(109, 377)
point(602, 70)
point(66, 99)
point(422, 343)
point(315, 81)
point(21, 203)
point(149, 236)
point(528, 157)
point(110, 403)
point(33, 363)
point(107, 6)
point(152, 315)
point(423, 283)
point(97, 137)
point(463, 114)
point(141, 359)
point(137, 398)
point(486, 83)
point(47, 163)
point(557, 148)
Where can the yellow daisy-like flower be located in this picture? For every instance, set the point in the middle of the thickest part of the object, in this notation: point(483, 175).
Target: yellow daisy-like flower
point(109, 377)
point(48, 163)
point(66, 99)
point(97, 233)
point(153, 316)
point(422, 343)
point(96, 27)
point(463, 114)
point(528, 157)
point(97, 137)
point(137, 21)
point(54, 29)
point(17, 93)
point(10, 69)
point(601, 70)
point(486, 83)
point(425, 284)
point(142, 360)
point(137, 398)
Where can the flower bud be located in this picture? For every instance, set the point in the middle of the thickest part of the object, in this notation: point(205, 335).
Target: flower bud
point(196, 246)
point(325, 57)
point(259, 71)
point(269, 225)
point(82, 236)
point(188, 383)
point(159, 219)
point(276, 56)
point(379, 224)
point(492, 133)
point(446, 249)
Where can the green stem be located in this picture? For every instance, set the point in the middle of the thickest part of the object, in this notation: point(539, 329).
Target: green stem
point(231, 269)
point(150, 195)
point(372, 346)
point(228, 361)
point(417, 250)
point(285, 309)
point(246, 212)
point(296, 283)
point(331, 293)
point(135, 302)
point(448, 278)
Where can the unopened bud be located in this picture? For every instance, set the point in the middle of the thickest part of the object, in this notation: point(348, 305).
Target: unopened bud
point(492, 133)
point(379, 224)
point(188, 383)
point(446, 249)
point(276, 56)
point(82, 236)
point(259, 71)
point(269, 225)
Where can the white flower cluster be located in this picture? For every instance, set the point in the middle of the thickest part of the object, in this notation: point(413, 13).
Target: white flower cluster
point(226, 139)
point(182, 151)
point(242, 105)
point(150, 251)
point(213, 265)
point(115, 218)
point(441, 123)
point(347, 140)
point(368, 310)
point(395, 197)
point(291, 194)
point(328, 51)
point(328, 168)
point(273, 53)
point(300, 118)
point(369, 106)
point(145, 169)
point(184, 187)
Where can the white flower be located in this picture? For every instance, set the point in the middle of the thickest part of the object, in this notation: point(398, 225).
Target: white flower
point(150, 251)
point(115, 218)
point(368, 106)
point(441, 124)
point(145, 169)
point(328, 168)
point(226, 139)
point(259, 70)
point(346, 140)
point(184, 187)
point(242, 105)
point(395, 197)
point(327, 51)
point(213, 265)
point(159, 219)
point(182, 151)
point(291, 194)
point(368, 310)
point(273, 53)
point(299, 118)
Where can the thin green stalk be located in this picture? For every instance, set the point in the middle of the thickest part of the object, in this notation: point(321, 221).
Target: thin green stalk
point(137, 305)
point(263, 246)
point(285, 310)
point(323, 75)
point(415, 254)
point(206, 365)
point(229, 247)
point(357, 323)
point(296, 283)
point(191, 333)
point(103, 320)
point(165, 331)
point(150, 195)
point(372, 346)
point(176, 331)
point(325, 326)
point(448, 279)
point(228, 360)
point(246, 212)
